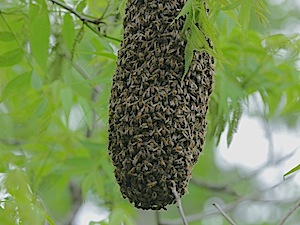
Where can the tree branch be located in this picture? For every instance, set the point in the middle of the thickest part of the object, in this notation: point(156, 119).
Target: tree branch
point(223, 213)
point(212, 212)
point(87, 20)
point(214, 187)
point(157, 217)
point(83, 18)
point(289, 213)
point(76, 202)
point(179, 206)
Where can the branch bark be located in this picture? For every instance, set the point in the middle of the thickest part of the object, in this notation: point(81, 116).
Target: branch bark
point(87, 20)
point(179, 206)
point(289, 213)
point(223, 213)
point(214, 187)
point(83, 18)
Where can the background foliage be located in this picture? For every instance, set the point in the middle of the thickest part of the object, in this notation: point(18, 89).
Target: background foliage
point(57, 60)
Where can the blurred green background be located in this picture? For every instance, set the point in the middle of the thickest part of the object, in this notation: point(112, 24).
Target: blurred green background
point(56, 70)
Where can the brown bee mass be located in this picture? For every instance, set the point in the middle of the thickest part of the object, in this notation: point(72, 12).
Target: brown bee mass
point(156, 120)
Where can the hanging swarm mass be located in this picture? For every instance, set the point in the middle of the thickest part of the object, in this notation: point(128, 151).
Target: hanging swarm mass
point(157, 120)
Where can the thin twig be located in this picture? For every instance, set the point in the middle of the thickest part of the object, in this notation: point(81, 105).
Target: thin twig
point(268, 131)
point(214, 187)
point(213, 212)
point(101, 34)
point(179, 206)
point(157, 217)
point(76, 202)
point(269, 137)
point(83, 18)
point(223, 213)
point(289, 213)
point(260, 169)
point(86, 20)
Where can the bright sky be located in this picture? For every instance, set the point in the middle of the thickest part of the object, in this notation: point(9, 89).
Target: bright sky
point(249, 150)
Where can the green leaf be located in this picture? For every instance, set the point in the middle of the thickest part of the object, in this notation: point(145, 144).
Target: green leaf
point(188, 57)
point(81, 5)
point(16, 85)
point(231, 6)
point(80, 165)
point(292, 171)
point(49, 220)
point(39, 35)
point(260, 10)
point(98, 183)
point(11, 58)
point(122, 7)
point(244, 14)
point(234, 122)
point(197, 38)
point(36, 81)
point(87, 184)
point(6, 36)
point(116, 217)
point(68, 31)
point(128, 220)
point(87, 110)
point(95, 149)
point(186, 8)
point(66, 97)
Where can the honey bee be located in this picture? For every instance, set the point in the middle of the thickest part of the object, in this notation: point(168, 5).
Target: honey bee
point(136, 158)
point(156, 98)
point(168, 110)
point(139, 145)
point(162, 162)
point(145, 109)
point(144, 125)
point(152, 184)
point(140, 178)
point(138, 167)
point(132, 171)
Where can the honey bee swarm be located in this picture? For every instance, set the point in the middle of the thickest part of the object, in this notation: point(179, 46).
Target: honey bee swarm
point(156, 120)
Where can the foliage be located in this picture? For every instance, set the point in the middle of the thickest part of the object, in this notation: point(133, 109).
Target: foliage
point(56, 69)
point(296, 168)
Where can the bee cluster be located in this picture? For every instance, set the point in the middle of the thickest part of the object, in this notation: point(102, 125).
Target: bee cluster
point(157, 119)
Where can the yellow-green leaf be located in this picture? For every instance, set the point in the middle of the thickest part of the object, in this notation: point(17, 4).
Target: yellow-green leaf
point(292, 171)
